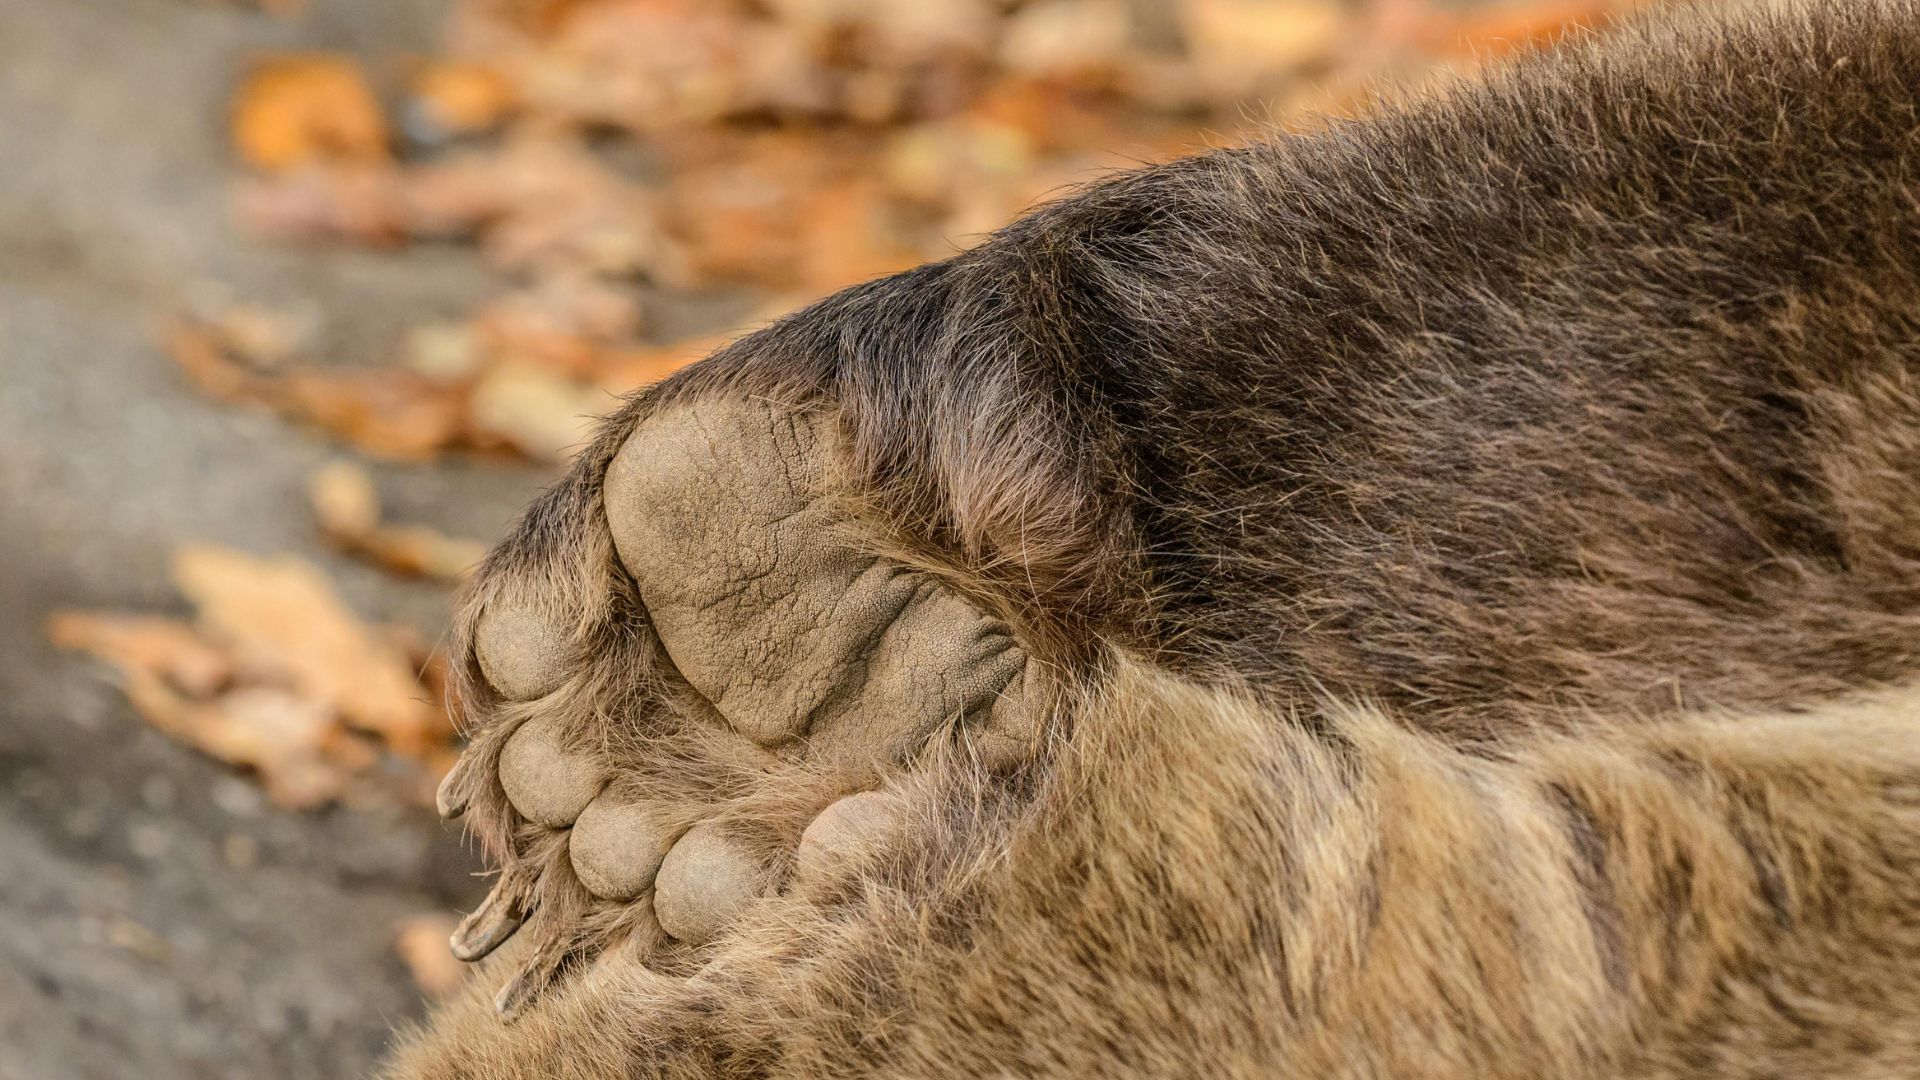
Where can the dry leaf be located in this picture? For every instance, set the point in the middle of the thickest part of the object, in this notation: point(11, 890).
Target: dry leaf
point(1060, 38)
point(1241, 45)
point(421, 941)
point(344, 502)
point(301, 109)
point(202, 354)
point(294, 745)
point(451, 98)
point(523, 378)
point(796, 146)
point(168, 648)
point(444, 352)
point(124, 933)
point(541, 414)
point(565, 323)
point(540, 203)
point(391, 413)
point(277, 676)
point(1536, 22)
point(347, 509)
point(422, 551)
point(282, 612)
point(364, 203)
point(629, 370)
point(264, 338)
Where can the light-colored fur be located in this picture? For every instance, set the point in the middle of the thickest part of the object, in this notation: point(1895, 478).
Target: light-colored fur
point(1200, 887)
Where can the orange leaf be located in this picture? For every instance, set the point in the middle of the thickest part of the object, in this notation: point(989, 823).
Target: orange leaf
point(347, 508)
point(460, 98)
point(421, 941)
point(167, 647)
point(1511, 26)
point(282, 612)
point(301, 108)
point(292, 743)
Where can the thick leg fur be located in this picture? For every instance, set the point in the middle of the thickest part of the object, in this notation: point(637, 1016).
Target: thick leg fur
point(1203, 887)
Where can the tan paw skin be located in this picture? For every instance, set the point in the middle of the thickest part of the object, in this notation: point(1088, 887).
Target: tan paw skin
point(720, 513)
point(522, 653)
point(616, 847)
point(849, 830)
point(705, 882)
point(821, 668)
point(545, 782)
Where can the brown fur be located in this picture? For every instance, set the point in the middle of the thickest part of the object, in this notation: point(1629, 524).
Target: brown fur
point(1201, 887)
point(1571, 420)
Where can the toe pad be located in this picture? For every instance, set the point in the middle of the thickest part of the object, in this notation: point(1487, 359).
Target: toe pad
point(705, 882)
point(616, 848)
point(546, 782)
point(521, 652)
point(848, 830)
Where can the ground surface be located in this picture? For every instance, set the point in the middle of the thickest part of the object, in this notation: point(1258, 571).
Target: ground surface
point(157, 919)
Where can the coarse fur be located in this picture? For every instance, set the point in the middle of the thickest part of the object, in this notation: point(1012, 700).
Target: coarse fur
point(1479, 553)
point(1203, 887)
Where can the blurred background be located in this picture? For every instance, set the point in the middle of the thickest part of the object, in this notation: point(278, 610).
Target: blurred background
point(301, 300)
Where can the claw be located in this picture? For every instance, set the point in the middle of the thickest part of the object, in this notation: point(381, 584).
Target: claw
point(525, 986)
point(451, 797)
point(493, 922)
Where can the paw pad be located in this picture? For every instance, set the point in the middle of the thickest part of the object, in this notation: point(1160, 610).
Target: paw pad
point(810, 653)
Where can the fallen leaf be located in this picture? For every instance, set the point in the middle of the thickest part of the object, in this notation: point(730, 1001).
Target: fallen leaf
point(278, 677)
point(1504, 27)
point(1242, 45)
point(421, 941)
point(392, 413)
point(202, 355)
point(540, 203)
point(444, 352)
point(565, 323)
point(640, 147)
point(396, 414)
point(265, 338)
point(1067, 38)
point(180, 680)
point(126, 934)
point(292, 744)
point(625, 371)
point(542, 414)
point(347, 509)
point(168, 648)
point(451, 98)
point(359, 202)
point(423, 551)
point(301, 108)
point(345, 504)
point(526, 378)
point(282, 612)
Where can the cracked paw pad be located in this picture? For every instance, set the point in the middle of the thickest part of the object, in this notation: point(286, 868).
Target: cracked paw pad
point(807, 648)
